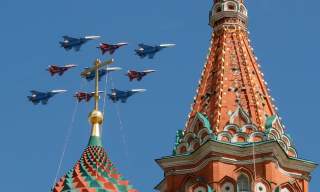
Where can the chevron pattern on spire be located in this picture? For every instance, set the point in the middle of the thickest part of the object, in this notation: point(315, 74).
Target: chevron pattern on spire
point(94, 172)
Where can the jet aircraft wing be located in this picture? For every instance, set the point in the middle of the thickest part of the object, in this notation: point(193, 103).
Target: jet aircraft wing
point(124, 100)
point(45, 101)
point(77, 47)
point(36, 92)
point(144, 46)
point(69, 38)
point(35, 102)
point(53, 66)
point(151, 55)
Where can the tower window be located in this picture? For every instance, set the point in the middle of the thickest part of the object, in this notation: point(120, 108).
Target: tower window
point(219, 9)
point(231, 7)
point(243, 184)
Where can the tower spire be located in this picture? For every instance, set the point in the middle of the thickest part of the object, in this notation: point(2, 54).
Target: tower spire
point(94, 171)
point(233, 139)
point(96, 116)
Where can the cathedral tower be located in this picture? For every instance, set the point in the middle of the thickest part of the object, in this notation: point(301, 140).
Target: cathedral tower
point(94, 172)
point(233, 140)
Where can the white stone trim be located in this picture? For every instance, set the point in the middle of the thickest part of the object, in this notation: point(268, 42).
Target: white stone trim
point(213, 147)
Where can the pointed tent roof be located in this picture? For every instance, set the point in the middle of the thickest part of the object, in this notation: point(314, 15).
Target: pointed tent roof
point(94, 172)
point(232, 96)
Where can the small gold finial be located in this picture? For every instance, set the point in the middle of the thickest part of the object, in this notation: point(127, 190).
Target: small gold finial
point(96, 117)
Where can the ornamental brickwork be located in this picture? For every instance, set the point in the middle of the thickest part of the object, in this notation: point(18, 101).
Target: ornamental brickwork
point(234, 139)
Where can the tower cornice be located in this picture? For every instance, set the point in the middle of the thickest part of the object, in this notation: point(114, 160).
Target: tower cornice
point(269, 151)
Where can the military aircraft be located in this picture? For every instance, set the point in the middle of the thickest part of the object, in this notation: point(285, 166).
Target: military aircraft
point(147, 50)
point(117, 95)
point(111, 48)
point(54, 69)
point(84, 95)
point(43, 97)
point(138, 74)
point(89, 76)
point(75, 43)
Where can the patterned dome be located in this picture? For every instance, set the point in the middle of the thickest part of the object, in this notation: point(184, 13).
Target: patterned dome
point(94, 172)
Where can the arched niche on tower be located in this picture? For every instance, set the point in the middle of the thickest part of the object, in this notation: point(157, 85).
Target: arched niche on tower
point(283, 145)
point(230, 6)
point(203, 135)
point(257, 137)
point(227, 184)
point(224, 136)
point(240, 138)
point(243, 183)
point(290, 187)
point(262, 185)
point(292, 152)
point(182, 148)
point(274, 134)
point(244, 179)
point(232, 129)
point(199, 122)
point(249, 128)
point(194, 145)
point(218, 8)
point(194, 183)
point(286, 139)
point(189, 137)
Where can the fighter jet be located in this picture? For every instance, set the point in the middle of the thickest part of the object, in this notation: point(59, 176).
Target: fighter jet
point(117, 95)
point(75, 43)
point(150, 51)
point(89, 76)
point(43, 97)
point(84, 96)
point(54, 69)
point(111, 48)
point(138, 74)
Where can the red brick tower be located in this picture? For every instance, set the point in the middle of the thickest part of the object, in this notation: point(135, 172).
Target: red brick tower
point(233, 139)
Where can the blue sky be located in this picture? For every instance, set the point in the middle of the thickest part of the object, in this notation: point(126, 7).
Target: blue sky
point(285, 35)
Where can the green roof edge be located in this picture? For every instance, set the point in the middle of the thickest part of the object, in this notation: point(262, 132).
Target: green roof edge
point(95, 141)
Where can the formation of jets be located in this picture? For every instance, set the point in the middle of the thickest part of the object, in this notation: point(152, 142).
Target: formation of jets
point(89, 73)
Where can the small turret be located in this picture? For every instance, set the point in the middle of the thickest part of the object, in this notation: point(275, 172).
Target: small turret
point(228, 13)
